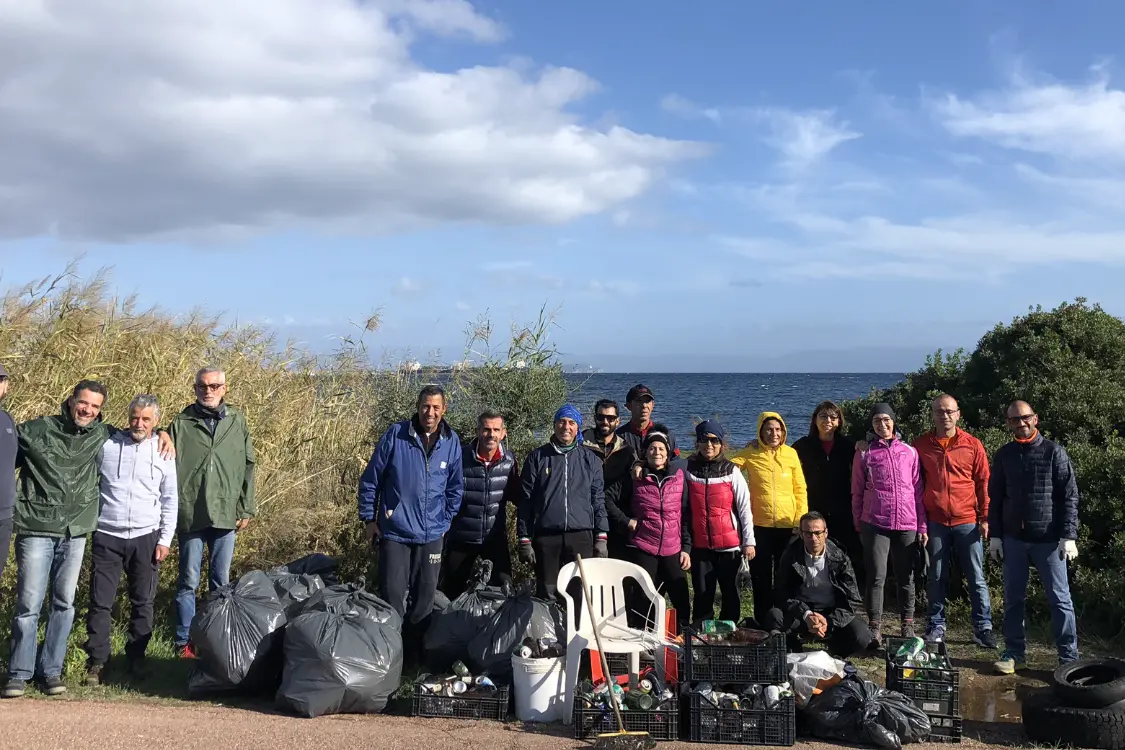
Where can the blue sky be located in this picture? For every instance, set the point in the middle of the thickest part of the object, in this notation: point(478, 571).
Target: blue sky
point(708, 186)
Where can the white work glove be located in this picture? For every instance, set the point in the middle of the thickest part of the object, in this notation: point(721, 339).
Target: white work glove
point(996, 549)
point(1068, 549)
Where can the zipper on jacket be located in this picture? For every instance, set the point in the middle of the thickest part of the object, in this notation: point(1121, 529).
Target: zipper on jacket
point(707, 507)
point(566, 491)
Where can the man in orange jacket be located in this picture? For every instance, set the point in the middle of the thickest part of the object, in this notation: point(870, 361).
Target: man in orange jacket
point(955, 475)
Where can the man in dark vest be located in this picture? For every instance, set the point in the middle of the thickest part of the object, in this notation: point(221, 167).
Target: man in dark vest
point(480, 528)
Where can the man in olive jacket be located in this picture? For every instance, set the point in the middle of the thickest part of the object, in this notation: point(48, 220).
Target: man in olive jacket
point(215, 466)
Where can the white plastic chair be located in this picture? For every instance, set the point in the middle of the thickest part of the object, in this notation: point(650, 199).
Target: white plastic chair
point(607, 598)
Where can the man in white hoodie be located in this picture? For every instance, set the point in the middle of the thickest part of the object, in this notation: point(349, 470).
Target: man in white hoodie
point(136, 524)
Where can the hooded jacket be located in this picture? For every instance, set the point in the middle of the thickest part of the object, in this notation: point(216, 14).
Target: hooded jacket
point(1034, 493)
point(790, 578)
point(887, 486)
point(955, 479)
point(414, 495)
point(58, 485)
point(215, 468)
point(138, 489)
point(562, 492)
point(663, 513)
point(778, 494)
point(721, 517)
point(488, 491)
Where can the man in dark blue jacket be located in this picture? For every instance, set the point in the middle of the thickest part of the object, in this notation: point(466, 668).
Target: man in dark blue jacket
point(9, 444)
point(562, 512)
point(1033, 520)
point(408, 495)
point(480, 528)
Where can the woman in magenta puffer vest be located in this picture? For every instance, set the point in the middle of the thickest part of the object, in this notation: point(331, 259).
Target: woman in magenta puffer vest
point(889, 515)
point(660, 531)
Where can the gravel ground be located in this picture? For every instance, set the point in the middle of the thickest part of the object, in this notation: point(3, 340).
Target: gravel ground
point(62, 723)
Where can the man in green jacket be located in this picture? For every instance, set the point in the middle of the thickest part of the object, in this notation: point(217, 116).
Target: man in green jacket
point(215, 466)
point(56, 508)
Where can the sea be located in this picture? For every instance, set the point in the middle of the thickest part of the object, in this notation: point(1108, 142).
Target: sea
point(735, 399)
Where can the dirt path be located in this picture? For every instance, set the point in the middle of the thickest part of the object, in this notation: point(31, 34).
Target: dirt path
point(124, 726)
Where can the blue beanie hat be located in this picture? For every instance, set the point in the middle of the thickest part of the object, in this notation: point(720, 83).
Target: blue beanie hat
point(569, 412)
point(709, 427)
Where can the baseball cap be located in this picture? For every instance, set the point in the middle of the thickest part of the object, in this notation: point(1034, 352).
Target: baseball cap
point(639, 391)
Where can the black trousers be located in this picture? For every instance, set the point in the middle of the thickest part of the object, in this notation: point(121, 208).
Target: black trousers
point(5, 543)
point(460, 557)
point(666, 573)
point(552, 552)
point(109, 556)
point(770, 543)
point(408, 578)
point(708, 570)
point(842, 642)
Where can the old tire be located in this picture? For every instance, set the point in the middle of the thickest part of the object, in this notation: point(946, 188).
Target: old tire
point(1090, 683)
point(1047, 722)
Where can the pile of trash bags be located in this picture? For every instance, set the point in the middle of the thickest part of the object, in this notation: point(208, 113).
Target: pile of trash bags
point(519, 618)
point(324, 647)
point(454, 626)
point(858, 711)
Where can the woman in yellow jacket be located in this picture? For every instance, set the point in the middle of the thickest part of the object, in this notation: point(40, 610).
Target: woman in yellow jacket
point(778, 498)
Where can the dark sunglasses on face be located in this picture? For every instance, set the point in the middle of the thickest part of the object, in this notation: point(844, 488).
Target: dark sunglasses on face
point(710, 440)
point(210, 386)
point(605, 417)
point(1021, 418)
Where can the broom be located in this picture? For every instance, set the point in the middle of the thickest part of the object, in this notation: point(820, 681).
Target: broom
point(619, 740)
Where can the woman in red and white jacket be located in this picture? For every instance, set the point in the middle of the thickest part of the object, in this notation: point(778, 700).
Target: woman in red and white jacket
point(722, 524)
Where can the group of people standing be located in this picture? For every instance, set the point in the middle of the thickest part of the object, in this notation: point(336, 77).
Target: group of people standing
point(128, 493)
point(796, 521)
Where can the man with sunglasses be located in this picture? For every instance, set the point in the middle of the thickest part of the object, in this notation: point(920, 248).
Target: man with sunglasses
point(816, 594)
point(1033, 521)
point(215, 470)
point(617, 461)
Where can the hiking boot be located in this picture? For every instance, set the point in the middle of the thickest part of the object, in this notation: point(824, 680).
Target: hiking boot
point(984, 639)
point(876, 638)
point(15, 688)
point(1009, 663)
point(54, 685)
point(186, 651)
point(935, 634)
point(907, 630)
point(93, 675)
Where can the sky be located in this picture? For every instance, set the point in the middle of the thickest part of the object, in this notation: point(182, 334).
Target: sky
point(714, 186)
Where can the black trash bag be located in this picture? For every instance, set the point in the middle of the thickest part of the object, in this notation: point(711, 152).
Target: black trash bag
point(451, 630)
point(343, 654)
point(859, 711)
point(294, 589)
point(520, 616)
point(441, 603)
point(316, 564)
point(237, 637)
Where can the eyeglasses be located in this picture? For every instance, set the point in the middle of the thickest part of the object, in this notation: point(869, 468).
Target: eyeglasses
point(605, 417)
point(710, 441)
point(210, 386)
point(882, 420)
point(946, 412)
point(1026, 418)
point(822, 532)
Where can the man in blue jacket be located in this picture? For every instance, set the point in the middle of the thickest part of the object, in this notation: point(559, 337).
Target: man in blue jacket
point(408, 495)
point(1033, 521)
point(562, 511)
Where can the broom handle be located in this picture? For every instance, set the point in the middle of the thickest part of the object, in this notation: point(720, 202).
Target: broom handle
point(598, 642)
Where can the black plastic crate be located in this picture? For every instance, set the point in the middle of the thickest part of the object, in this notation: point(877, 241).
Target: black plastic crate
point(936, 691)
point(661, 724)
point(465, 706)
point(732, 726)
point(619, 663)
point(945, 729)
point(762, 663)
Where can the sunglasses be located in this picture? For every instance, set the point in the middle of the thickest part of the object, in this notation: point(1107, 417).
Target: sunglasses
point(210, 386)
point(605, 417)
point(710, 441)
point(1021, 418)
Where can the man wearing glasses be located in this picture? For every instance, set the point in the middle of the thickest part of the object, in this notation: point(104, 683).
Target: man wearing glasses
point(1033, 520)
point(617, 461)
point(955, 477)
point(215, 468)
point(816, 595)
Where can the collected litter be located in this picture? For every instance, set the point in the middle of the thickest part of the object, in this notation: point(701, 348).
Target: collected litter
point(454, 627)
point(859, 711)
point(520, 617)
point(460, 683)
point(648, 694)
point(748, 698)
point(812, 673)
point(918, 664)
point(542, 648)
point(296, 581)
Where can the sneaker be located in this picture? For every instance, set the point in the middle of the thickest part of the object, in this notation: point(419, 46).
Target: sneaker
point(15, 688)
point(93, 675)
point(984, 639)
point(935, 634)
point(907, 630)
point(185, 651)
point(876, 638)
point(54, 685)
point(1009, 663)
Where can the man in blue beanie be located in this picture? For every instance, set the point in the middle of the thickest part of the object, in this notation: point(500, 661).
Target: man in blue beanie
point(562, 512)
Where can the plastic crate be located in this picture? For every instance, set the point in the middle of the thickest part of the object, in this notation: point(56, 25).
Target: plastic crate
point(661, 724)
point(761, 663)
point(466, 706)
point(936, 691)
point(731, 726)
point(945, 729)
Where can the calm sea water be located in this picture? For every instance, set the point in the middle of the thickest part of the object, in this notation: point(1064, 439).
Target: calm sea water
point(734, 399)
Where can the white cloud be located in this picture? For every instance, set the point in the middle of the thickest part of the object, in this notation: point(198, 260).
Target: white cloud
point(805, 137)
point(123, 121)
point(678, 105)
point(406, 286)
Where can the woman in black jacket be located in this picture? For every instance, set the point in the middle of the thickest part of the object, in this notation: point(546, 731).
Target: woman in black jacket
point(826, 458)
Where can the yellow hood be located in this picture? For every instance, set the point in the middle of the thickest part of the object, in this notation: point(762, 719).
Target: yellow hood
point(778, 495)
point(772, 415)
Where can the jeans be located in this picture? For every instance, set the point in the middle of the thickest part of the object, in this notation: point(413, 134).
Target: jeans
point(963, 540)
point(43, 560)
point(1019, 556)
point(220, 543)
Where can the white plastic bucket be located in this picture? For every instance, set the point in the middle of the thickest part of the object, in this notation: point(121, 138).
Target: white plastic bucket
point(538, 685)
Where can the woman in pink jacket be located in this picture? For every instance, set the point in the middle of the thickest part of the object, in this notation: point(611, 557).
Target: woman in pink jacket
point(889, 515)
